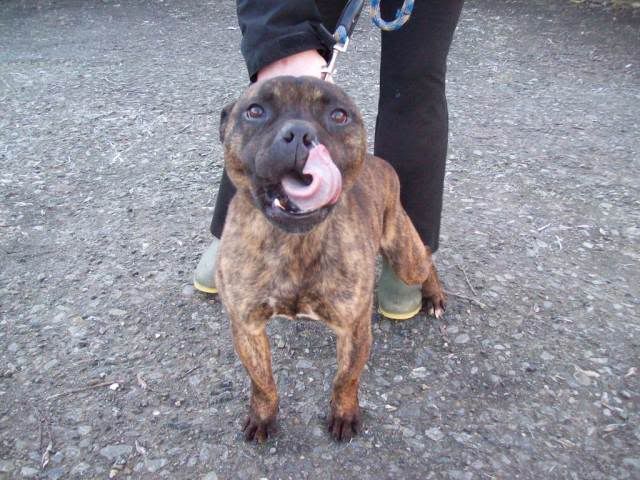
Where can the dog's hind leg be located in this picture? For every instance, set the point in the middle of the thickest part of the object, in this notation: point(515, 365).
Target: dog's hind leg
point(252, 345)
point(409, 258)
point(433, 292)
point(353, 346)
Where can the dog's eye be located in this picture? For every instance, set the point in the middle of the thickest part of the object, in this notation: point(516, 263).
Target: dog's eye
point(254, 112)
point(339, 116)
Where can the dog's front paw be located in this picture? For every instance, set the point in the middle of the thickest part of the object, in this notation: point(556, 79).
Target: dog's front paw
point(433, 293)
point(258, 429)
point(344, 425)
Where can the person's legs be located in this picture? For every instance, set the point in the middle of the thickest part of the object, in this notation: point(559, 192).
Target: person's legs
point(226, 191)
point(412, 128)
point(412, 123)
point(204, 274)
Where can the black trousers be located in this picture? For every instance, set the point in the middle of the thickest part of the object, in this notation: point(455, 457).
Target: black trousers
point(412, 123)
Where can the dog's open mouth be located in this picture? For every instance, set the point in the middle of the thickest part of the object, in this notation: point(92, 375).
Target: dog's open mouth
point(309, 195)
point(319, 184)
point(278, 199)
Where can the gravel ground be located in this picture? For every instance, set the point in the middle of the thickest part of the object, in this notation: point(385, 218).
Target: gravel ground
point(112, 366)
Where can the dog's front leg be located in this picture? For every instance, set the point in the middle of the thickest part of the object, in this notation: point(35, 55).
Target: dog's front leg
point(353, 346)
point(252, 345)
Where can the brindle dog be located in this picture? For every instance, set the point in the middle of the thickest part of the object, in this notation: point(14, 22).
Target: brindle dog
point(276, 260)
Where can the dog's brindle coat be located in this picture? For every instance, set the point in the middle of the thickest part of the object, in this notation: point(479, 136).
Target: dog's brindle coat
point(326, 269)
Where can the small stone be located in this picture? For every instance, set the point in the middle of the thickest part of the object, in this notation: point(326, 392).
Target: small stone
point(116, 312)
point(462, 338)
point(156, 464)
point(114, 386)
point(546, 356)
point(80, 469)
point(188, 291)
point(29, 472)
point(113, 452)
point(420, 372)
point(462, 437)
point(599, 360)
point(6, 466)
point(631, 462)
point(55, 473)
point(57, 458)
point(210, 476)
point(303, 364)
point(434, 434)
point(582, 378)
point(84, 429)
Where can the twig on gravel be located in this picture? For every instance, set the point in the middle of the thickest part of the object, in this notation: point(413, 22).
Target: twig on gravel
point(184, 128)
point(559, 242)
point(444, 334)
point(204, 154)
point(46, 454)
point(109, 81)
point(31, 254)
point(141, 381)
point(8, 86)
point(82, 389)
point(544, 227)
point(140, 449)
point(469, 299)
point(45, 420)
point(188, 372)
point(464, 272)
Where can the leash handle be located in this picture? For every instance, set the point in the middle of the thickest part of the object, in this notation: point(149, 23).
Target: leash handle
point(344, 29)
point(347, 21)
point(402, 16)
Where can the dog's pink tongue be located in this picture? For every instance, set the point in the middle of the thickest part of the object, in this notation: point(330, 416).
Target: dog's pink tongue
point(325, 186)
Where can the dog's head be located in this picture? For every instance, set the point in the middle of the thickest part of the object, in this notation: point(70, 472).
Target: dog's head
point(294, 143)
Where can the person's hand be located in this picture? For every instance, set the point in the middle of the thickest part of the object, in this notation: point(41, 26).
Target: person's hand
point(309, 63)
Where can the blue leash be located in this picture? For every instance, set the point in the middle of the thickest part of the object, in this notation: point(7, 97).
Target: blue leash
point(402, 16)
point(347, 23)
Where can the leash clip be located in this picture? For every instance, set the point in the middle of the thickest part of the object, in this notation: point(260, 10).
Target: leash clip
point(329, 70)
point(345, 26)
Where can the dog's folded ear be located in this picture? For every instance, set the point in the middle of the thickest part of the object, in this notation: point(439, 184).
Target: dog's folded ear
point(224, 116)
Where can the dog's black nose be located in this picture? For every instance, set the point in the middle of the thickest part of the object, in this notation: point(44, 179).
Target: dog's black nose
point(298, 133)
point(289, 151)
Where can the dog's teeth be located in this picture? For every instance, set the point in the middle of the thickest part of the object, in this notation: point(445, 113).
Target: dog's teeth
point(277, 203)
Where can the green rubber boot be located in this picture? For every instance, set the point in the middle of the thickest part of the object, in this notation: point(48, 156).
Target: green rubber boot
point(204, 278)
point(396, 299)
